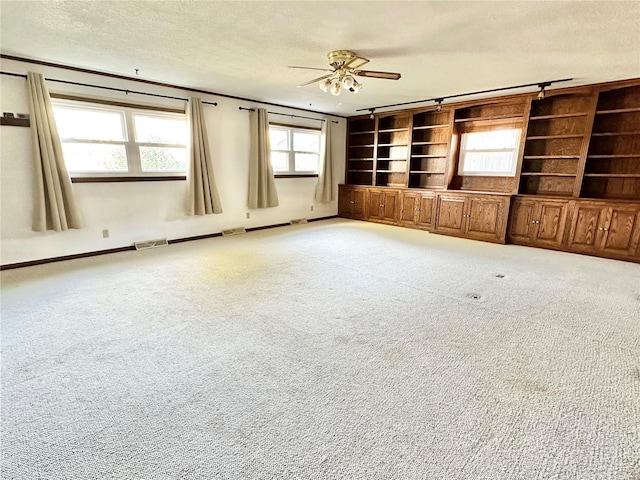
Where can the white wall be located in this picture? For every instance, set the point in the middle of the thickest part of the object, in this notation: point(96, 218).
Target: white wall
point(135, 211)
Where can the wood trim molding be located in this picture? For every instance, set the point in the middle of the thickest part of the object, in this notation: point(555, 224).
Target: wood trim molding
point(31, 263)
point(159, 178)
point(15, 122)
point(294, 175)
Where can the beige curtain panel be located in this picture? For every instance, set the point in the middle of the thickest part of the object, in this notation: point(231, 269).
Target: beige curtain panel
point(325, 188)
point(262, 187)
point(202, 194)
point(54, 203)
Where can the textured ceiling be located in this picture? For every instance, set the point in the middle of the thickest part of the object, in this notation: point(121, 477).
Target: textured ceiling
point(244, 48)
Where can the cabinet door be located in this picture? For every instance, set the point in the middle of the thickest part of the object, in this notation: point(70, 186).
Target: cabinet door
point(486, 219)
point(374, 204)
point(551, 217)
point(345, 201)
point(621, 231)
point(450, 214)
point(425, 210)
point(390, 206)
point(521, 222)
point(358, 203)
point(409, 208)
point(586, 234)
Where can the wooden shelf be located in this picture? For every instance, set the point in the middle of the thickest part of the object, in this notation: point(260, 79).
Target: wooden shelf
point(368, 145)
point(547, 174)
point(393, 145)
point(558, 115)
point(488, 119)
point(427, 127)
point(400, 172)
point(429, 143)
point(362, 133)
point(614, 134)
point(551, 157)
point(613, 175)
point(385, 130)
point(618, 110)
point(430, 172)
point(555, 137)
point(617, 155)
point(351, 170)
point(428, 156)
point(364, 159)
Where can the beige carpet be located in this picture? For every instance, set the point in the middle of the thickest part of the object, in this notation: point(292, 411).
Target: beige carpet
point(333, 350)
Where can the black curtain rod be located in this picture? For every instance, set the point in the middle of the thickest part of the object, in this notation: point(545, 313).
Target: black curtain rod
point(443, 98)
point(127, 92)
point(287, 115)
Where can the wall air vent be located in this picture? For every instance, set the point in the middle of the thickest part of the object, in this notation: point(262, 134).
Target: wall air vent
point(297, 221)
point(161, 242)
point(233, 231)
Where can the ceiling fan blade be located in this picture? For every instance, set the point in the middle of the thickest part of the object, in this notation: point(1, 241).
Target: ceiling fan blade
point(356, 62)
point(313, 68)
point(314, 80)
point(372, 74)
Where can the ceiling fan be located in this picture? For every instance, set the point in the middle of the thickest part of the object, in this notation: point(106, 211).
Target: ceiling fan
point(345, 67)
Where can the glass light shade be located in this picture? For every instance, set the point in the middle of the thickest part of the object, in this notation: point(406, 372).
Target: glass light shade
point(324, 85)
point(348, 81)
point(335, 88)
point(356, 87)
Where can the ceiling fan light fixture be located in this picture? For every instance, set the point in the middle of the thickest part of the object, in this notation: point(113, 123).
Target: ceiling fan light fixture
point(348, 81)
point(335, 88)
point(324, 85)
point(356, 87)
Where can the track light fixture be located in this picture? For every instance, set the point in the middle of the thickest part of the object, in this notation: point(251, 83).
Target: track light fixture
point(542, 87)
point(371, 110)
point(439, 104)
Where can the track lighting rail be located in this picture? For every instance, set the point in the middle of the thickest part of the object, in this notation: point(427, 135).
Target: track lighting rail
point(439, 100)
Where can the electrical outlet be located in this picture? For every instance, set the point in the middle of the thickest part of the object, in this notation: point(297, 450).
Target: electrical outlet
point(312, 208)
point(105, 233)
point(248, 215)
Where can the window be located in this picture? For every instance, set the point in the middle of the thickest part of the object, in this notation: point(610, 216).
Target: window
point(105, 140)
point(489, 153)
point(294, 150)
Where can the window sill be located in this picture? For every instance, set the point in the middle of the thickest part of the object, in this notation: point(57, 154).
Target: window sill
point(296, 175)
point(158, 178)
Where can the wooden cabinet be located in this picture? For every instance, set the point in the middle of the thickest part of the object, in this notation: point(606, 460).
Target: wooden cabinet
point(538, 222)
point(605, 229)
point(416, 209)
point(352, 202)
point(383, 205)
point(472, 215)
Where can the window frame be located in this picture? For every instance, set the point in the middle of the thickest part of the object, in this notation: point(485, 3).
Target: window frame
point(292, 172)
point(132, 147)
point(486, 127)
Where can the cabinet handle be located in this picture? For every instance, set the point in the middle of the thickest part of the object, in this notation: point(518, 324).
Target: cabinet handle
point(535, 222)
point(382, 204)
point(604, 229)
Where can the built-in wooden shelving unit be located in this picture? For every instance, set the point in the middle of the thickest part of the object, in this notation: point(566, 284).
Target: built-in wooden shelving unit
point(612, 167)
point(392, 150)
point(558, 132)
point(430, 139)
